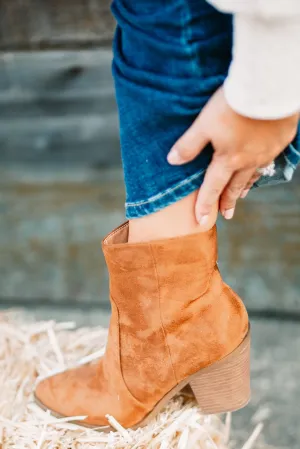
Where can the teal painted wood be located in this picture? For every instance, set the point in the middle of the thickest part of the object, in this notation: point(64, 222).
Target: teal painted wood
point(52, 221)
point(58, 107)
point(55, 72)
point(260, 248)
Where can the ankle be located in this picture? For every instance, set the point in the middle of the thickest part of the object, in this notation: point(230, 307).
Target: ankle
point(173, 221)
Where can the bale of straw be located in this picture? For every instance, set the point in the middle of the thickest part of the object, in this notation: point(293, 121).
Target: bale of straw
point(30, 350)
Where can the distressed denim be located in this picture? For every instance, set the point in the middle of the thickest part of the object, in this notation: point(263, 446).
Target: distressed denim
point(170, 56)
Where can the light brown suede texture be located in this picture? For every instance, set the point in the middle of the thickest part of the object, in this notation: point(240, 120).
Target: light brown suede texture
point(172, 315)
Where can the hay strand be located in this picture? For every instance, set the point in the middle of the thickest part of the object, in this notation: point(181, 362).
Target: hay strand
point(33, 350)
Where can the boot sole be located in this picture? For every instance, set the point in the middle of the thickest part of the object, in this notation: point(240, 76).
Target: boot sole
point(219, 388)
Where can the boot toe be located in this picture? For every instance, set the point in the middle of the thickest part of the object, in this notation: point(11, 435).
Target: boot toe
point(47, 395)
point(75, 392)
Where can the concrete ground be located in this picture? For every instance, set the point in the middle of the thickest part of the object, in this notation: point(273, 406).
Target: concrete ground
point(275, 376)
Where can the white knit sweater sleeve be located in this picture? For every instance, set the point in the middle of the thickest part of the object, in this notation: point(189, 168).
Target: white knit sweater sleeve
point(264, 76)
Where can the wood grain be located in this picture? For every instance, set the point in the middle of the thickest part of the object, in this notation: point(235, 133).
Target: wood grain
point(58, 107)
point(52, 221)
point(36, 24)
point(61, 190)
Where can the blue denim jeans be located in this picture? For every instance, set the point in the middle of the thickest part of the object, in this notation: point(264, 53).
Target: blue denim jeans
point(170, 56)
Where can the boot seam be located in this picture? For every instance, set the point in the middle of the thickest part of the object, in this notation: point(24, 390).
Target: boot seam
point(160, 314)
point(132, 396)
point(227, 288)
point(110, 235)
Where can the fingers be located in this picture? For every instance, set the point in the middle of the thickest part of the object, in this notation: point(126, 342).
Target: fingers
point(216, 179)
point(190, 144)
point(248, 186)
point(233, 191)
point(211, 220)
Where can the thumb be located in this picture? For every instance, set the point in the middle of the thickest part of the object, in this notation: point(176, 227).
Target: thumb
point(190, 144)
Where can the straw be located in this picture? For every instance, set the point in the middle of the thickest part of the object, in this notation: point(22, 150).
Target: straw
point(33, 350)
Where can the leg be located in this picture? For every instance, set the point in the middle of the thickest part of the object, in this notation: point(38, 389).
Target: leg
point(162, 83)
point(174, 321)
point(172, 221)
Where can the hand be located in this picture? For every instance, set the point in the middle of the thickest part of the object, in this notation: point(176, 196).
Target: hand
point(241, 145)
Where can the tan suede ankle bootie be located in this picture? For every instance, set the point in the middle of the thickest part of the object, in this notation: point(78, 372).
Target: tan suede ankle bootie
point(174, 323)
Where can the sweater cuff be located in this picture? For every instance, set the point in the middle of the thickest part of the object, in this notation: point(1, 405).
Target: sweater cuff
point(263, 80)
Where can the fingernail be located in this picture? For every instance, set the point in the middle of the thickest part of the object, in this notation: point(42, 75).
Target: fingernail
point(244, 193)
point(228, 214)
point(174, 157)
point(203, 219)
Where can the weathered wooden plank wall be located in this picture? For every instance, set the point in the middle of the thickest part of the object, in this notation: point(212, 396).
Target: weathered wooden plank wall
point(260, 248)
point(58, 107)
point(58, 131)
point(61, 185)
point(58, 135)
point(36, 24)
point(52, 221)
